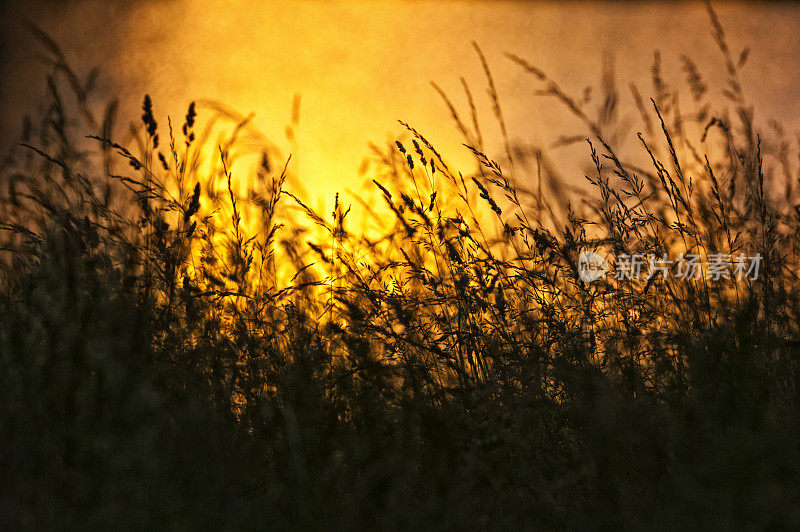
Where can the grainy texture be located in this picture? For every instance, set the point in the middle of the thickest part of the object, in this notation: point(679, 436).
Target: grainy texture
point(178, 354)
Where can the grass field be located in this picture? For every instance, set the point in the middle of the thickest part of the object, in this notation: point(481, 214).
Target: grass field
point(186, 347)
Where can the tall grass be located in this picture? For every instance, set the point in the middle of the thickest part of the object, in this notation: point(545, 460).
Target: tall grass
point(176, 351)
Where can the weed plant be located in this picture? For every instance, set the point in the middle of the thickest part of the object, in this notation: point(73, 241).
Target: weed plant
point(181, 351)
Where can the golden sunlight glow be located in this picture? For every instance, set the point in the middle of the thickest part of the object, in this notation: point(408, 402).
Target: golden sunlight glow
point(360, 66)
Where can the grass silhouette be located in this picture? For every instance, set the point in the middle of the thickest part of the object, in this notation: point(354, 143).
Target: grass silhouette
point(176, 352)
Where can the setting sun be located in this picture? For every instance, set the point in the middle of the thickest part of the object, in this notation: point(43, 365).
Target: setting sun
point(430, 265)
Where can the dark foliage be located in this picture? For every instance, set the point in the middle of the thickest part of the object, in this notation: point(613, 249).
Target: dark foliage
point(178, 354)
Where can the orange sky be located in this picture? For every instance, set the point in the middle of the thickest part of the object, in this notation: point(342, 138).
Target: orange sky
point(360, 66)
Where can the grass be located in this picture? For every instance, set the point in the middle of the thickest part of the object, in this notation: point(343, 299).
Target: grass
point(180, 354)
